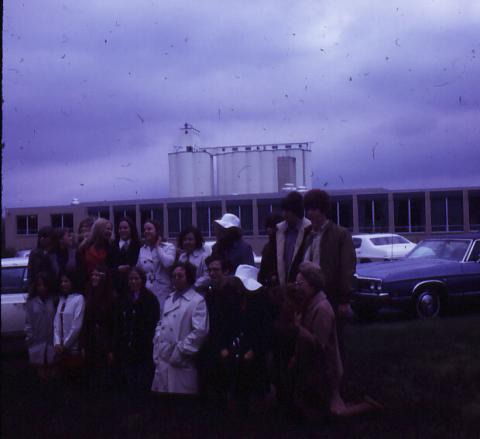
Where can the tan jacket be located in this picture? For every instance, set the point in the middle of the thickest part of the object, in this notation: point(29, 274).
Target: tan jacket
point(305, 228)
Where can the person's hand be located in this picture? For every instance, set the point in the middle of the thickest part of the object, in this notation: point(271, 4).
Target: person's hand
point(123, 268)
point(249, 355)
point(224, 354)
point(58, 349)
point(344, 311)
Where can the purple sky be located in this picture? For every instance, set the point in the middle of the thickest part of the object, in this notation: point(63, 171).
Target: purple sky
point(95, 92)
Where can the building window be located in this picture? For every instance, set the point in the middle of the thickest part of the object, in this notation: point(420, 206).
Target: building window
point(474, 207)
point(151, 213)
point(447, 211)
point(207, 213)
point(409, 211)
point(243, 209)
point(341, 211)
point(264, 209)
point(27, 224)
point(62, 220)
point(179, 217)
point(99, 212)
point(120, 212)
point(373, 213)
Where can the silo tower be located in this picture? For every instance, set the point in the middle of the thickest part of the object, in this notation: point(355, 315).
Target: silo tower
point(190, 166)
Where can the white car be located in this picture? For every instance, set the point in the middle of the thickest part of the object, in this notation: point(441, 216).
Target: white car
point(381, 246)
point(14, 295)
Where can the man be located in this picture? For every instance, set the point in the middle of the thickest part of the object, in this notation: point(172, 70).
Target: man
point(291, 238)
point(331, 247)
point(218, 297)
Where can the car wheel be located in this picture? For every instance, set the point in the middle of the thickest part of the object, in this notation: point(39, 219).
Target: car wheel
point(428, 303)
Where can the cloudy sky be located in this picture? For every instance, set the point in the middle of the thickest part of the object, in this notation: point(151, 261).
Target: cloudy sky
point(95, 91)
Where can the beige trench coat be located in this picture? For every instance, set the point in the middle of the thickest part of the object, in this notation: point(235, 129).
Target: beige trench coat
point(179, 336)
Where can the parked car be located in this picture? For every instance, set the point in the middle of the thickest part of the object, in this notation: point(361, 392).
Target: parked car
point(23, 253)
point(14, 295)
point(438, 270)
point(381, 246)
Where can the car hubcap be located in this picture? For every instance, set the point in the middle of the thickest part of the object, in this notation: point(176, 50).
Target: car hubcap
point(428, 304)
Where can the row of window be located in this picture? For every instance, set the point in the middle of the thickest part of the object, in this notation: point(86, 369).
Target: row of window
point(409, 214)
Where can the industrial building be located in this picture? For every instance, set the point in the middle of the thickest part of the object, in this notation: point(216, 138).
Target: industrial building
point(414, 213)
point(242, 169)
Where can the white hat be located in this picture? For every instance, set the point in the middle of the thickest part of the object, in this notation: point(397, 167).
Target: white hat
point(228, 221)
point(248, 275)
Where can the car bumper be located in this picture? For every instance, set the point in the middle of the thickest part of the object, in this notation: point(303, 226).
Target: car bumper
point(378, 300)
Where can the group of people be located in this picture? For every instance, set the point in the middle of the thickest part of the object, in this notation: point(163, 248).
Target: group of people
point(189, 320)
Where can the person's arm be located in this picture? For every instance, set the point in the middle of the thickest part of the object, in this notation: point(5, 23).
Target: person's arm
point(57, 326)
point(28, 323)
point(192, 343)
point(315, 338)
point(77, 322)
point(166, 254)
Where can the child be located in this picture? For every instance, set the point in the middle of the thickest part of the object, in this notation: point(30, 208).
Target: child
point(40, 312)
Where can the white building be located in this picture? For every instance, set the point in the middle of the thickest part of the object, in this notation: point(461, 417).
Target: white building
point(241, 169)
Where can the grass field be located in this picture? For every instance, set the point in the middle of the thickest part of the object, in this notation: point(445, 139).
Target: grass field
point(427, 373)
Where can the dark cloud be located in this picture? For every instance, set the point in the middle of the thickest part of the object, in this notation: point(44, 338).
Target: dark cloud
point(388, 96)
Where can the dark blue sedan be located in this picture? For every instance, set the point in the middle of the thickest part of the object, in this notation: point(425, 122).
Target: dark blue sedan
point(437, 270)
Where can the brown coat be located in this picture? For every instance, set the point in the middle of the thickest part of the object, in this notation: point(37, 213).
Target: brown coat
point(319, 368)
point(338, 262)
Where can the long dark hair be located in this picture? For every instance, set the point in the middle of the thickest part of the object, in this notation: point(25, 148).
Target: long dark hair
point(73, 276)
point(44, 232)
point(47, 282)
point(133, 230)
point(101, 296)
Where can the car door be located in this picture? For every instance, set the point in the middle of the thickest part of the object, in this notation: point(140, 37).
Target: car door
point(471, 271)
point(13, 299)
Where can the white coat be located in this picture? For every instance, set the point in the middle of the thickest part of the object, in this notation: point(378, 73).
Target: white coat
point(39, 317)
point(179, 336)
point(156, 261)
point(197, 258)
point(68, 323)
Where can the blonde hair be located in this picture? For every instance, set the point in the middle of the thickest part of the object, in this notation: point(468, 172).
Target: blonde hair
point(97, 235)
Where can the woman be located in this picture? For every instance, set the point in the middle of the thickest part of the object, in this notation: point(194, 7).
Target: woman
point(156, 257)
point(100, 325)
point(230, 245)
point(39, 259)
point(95, 250)
point(124, 254)
point(39, 315)
point(63, 256)
point(191, 249)
point(139, 316)
point(179, 335)
point(267, 275)
point(316, 364)
point(68, 323)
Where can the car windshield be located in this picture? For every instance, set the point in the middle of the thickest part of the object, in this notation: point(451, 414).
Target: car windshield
point(452, 250)
point(389, 240)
